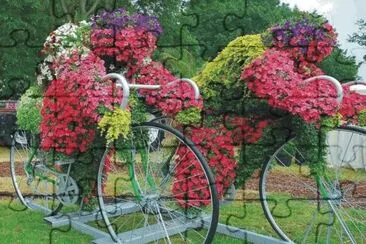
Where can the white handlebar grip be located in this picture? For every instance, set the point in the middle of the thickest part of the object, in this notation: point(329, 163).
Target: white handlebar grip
point(360, 89)
point(192, 83)
point(120, 82)
point(334, 81)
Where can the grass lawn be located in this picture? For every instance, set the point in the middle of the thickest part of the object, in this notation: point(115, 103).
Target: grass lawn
point(29, 227)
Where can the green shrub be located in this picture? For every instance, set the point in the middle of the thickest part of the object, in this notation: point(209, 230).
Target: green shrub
point(29, 109)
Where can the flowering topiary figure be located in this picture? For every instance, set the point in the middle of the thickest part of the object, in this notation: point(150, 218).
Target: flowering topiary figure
point(75, 111)
point(255, 88)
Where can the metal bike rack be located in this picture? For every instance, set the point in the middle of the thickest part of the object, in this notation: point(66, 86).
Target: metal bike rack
point(79, 221)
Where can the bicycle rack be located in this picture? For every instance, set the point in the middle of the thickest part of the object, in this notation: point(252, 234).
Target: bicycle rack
point(79, 221)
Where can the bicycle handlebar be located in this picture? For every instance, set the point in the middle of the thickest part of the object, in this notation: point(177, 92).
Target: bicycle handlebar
point(357, 86)
point(122, 82)
point(192, 83)
point(334, 81)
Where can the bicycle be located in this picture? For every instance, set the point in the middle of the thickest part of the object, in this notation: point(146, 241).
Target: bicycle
point(326, 204)
point(139, 182)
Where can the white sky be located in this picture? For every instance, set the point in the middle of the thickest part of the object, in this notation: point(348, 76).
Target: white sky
point(342, 14)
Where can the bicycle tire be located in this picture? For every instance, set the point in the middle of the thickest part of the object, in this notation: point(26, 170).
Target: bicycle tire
point(109, 206)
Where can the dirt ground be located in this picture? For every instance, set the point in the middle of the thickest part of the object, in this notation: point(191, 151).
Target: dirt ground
point(279, 182)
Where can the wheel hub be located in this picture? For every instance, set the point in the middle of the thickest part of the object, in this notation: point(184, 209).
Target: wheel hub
point(67, 189)
point(151, 203)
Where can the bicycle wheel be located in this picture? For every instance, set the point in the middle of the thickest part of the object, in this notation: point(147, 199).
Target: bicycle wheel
point(34, 187)
point(167, 194)
point(156, 136)
point(323, 206)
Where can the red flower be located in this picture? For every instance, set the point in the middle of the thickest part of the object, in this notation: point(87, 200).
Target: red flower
point(281, 83)
point(129, 46)
point(171, 98)
point(69, 111)
point(352, 105)
point(217, 145)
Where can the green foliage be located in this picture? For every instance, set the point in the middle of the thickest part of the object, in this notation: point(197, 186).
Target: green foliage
point(115, 124)
point(138, 109)
point(85, 168)
point(340, 65)
point(189, 116)
point(328, 123)
point(362, 118)
point(219, 20)
point(29, 110)
point(24, 25)
point(309, 139)
point(312, 143)
point(178, 47)
point(254, 155)
point(224, 71)
point(182, 63)
point(360, 36)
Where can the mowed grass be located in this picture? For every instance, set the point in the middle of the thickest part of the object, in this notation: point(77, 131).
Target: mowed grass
point(29, 227)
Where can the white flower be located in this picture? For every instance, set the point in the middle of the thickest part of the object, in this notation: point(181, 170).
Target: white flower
point(49, 58)
point(39, 79)
point(147, 60)
point(46, 73)
point(84, 23)
point(66, 38)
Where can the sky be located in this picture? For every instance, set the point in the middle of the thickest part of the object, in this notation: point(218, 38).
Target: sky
point(342, 14)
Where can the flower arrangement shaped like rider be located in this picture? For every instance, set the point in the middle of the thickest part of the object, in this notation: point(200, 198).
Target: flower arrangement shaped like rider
point(77, 105)
point(255, 86)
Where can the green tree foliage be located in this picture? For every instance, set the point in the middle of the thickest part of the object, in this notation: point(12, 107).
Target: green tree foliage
point(23, 27)
point(178, 47)
point(360, 36)
point(220, 21)
point(340, 65)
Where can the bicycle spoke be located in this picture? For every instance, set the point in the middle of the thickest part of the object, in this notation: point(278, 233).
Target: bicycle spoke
point(153, 172)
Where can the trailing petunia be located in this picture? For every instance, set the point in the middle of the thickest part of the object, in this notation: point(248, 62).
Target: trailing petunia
point(70, 104)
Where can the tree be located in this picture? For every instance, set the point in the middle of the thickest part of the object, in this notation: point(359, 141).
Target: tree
point(360, 36)
point(194, 31)
point(24, 25)
point(340, 65)
point(178, 48)
point(220, 21)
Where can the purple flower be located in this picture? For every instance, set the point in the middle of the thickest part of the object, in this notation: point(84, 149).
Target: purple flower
point(301, 31)
point(119, 19)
